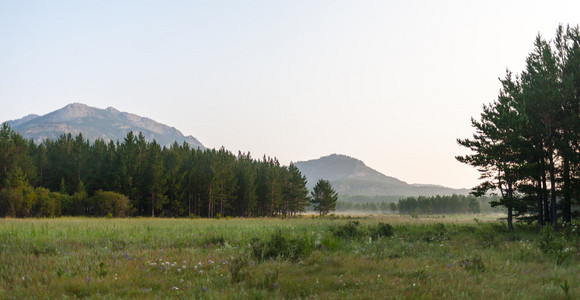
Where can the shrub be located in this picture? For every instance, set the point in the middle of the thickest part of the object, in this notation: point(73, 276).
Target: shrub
point(381, 230)
point(238, 268)
point(278, 245)
point(110, 203)
point(554, 245)
point(26, 201)
point(48, 204)
point(349, 230)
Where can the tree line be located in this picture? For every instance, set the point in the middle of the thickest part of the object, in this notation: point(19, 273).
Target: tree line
point(72, 176)
point(454, 204)
point(526, 144)
point(446, 204)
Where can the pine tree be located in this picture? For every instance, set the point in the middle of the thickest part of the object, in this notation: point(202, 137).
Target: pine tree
point(296, 192)
point(246, 178)
point(324, 197)
point(154, 177)
point(527, 142)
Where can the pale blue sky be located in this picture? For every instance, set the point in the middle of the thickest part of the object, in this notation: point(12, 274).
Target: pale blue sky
point(392, 83)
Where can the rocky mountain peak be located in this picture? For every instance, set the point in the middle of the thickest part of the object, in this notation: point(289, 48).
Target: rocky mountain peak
point(350, 176)
point(95, 123)
point(71, 112)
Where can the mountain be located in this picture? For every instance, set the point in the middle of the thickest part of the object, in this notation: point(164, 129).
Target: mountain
point(351, 177)
point(107, 124)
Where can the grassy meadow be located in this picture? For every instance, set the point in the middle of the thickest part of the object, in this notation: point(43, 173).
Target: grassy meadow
point(362, 257)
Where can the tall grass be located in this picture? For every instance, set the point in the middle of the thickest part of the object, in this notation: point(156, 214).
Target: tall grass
point(341, 257)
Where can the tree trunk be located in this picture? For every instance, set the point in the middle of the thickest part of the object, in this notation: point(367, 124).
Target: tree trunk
point(272, 201)
point(545, 198)
point(209, 204)
point(510, 208)
point(567, 204)
point(153, 205)
point(540, 206)
point(553, 204)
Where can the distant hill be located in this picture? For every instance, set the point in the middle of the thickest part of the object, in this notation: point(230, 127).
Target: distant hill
point(351, 177)
point(107, 124)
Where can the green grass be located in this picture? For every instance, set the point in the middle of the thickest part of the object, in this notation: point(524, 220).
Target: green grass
point(343, 257)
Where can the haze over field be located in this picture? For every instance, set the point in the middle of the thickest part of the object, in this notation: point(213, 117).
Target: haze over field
point(390, 83)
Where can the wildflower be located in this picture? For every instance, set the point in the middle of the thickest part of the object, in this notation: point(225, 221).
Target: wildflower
point(195, 267)
point(126, 255)
point(200, 271)
point(87, 279)
point(275, 284)
point(183, 267)
point(174, 288)
point(178, 270)
point(204, 289)
point(210, 262)
point(181, 280)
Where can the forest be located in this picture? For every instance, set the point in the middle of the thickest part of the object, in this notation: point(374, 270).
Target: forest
point(526, 144)
point(72, 176)
point(454, 204)
point(422, 205)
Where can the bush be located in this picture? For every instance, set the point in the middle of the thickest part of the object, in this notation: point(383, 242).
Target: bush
point(280, 246)
point(48, 204)
point(349, 230)
point(26, 201)
point(238, 268)
point(554, 245)
point(106, 203)
point(353, 230)
point(381, 230)
point(77, 204)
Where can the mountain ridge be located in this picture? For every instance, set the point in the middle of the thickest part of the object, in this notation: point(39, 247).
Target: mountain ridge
point(351, 177)
point(107, 124)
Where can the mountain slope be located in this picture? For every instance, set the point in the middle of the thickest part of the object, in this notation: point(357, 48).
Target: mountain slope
point(107, 124)
point(350, 176)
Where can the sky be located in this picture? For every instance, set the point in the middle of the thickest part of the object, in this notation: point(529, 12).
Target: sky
point(392, 83)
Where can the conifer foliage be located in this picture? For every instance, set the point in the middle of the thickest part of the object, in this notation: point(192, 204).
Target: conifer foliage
point(527, 142)
point(324, 197)
point(140, 178)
